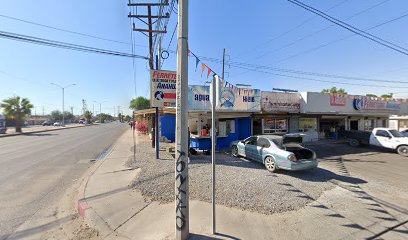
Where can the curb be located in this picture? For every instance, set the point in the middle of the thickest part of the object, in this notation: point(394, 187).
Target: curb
point(39, 131)
point(85, 210)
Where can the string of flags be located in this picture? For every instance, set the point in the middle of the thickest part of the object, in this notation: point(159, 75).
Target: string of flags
point(246, 91)
point(224, 83)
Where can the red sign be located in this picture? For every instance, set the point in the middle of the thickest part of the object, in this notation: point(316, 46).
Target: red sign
point(337, 100)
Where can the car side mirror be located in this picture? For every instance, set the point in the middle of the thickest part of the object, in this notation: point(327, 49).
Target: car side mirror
point(243, 141)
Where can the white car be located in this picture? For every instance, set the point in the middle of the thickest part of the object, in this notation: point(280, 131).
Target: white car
point(57, 124)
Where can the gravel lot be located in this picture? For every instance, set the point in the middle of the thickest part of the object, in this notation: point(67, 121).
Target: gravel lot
point(240, 183)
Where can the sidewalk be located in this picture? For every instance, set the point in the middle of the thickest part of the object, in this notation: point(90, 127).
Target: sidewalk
point(37, 129)
point(119, 212)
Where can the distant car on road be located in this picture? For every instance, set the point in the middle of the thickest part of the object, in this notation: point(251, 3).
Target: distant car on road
point(46, 123)
point(276, 152)
point(57, 124)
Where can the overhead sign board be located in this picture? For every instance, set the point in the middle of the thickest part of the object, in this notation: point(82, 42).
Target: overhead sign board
point(199, 98)
point(233, 98)
point(337, 100)
point(163, 88)
point(362, 103)
point(280, 102)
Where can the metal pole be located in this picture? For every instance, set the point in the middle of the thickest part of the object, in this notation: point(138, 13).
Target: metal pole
point(213, 143)
point(156, 118)
point(156, 129)
point(181, 171)
point(63, 115)
point(100, 112)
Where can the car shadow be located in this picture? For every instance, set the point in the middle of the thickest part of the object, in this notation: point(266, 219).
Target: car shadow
point(335, 150)
point(322, 175)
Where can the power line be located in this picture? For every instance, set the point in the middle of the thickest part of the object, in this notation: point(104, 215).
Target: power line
point(254, 67)
point(321, 30)
point(319, 80)
point(355, 30)
point(290, 30)
point(67, 31)
point(339, 39)
point(57, 44)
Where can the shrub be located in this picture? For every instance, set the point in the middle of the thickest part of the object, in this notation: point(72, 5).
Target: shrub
point(142, 126)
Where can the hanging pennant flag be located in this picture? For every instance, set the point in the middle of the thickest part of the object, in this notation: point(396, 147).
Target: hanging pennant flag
point(208, 72)
point(225, 84)
point(197, 61)
point(202, 68)
point(189, 52)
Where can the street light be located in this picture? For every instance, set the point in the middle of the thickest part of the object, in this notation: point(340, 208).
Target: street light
point(63, 89)
point(100, 110)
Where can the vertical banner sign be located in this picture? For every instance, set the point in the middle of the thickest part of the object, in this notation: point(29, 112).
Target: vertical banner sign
point(162, 88)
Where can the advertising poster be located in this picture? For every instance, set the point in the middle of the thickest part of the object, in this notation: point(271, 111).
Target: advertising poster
point(372, 104)
point(238, 99)
point(337, 100)
point(280, 102)
point(163, 88)
point(199, 98)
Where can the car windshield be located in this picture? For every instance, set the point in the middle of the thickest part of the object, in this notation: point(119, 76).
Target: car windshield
point(396, 134)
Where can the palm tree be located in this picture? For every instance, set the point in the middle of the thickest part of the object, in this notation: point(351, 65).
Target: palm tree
point(16, 108)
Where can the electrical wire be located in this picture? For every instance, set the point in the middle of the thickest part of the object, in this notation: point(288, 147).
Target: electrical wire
point(65, 30)
point(57, 44)
point(355, 30)
point(338, 40)
point(290, 30)
point(319, 80)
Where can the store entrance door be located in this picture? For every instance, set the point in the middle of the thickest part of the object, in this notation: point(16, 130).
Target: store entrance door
point(257, 126)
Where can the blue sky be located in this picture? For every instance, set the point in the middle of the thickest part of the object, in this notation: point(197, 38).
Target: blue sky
point(251, 31)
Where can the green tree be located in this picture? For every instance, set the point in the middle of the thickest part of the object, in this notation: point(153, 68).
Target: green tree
point(69, 116)
point(139, 103)
point(88, 116)
point(120, 116)
point(56, 116)
point(17, 108)
point(127, 118)
point(334, 90)
point(389, 95)
point(370, 95)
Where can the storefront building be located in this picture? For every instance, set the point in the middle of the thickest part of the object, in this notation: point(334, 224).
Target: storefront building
point(332, 113)
point(279, 113)
point(234, 108)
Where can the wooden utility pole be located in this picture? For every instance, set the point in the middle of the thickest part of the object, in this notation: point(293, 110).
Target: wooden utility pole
point(149, 24)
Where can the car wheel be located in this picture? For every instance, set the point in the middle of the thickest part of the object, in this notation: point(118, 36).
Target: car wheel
point(270, 164)
point(403, 150)
point(234, 151)
point(354, 143)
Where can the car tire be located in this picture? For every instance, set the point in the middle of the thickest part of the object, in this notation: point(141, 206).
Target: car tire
point(270, 165)
point(403, 150)
point(354, 142)
point(234, 151)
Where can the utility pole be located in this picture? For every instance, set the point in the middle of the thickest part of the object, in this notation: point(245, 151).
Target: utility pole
point(72, 110)
point(181, 183)
point(149, 23)
point(223, 64)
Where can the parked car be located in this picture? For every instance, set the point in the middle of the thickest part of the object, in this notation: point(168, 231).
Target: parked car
point(46, 123)
point(57, 124)
point(405, 133)
point(276, 152)
point(379, 137)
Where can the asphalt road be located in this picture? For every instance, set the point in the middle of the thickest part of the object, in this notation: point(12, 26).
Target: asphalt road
point(36, 170)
